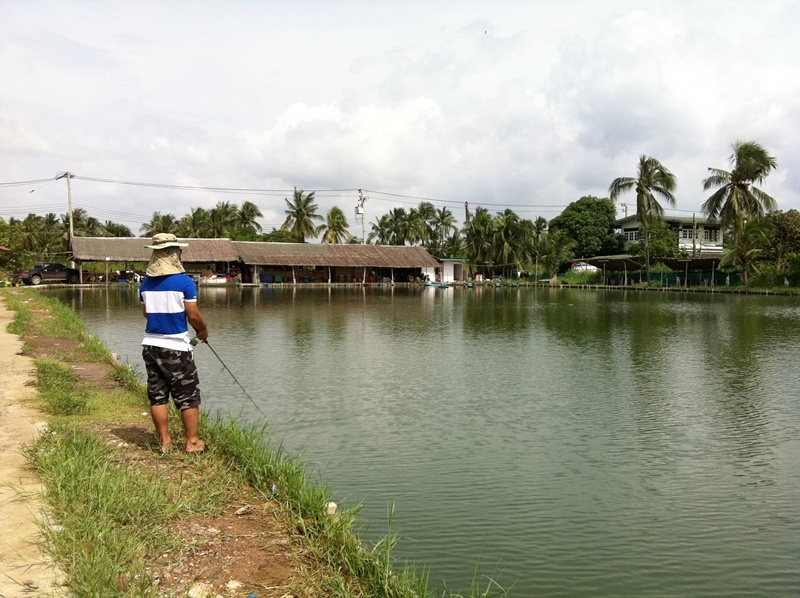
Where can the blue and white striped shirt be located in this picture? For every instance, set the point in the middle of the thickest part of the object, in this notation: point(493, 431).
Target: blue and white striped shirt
point(164, 299)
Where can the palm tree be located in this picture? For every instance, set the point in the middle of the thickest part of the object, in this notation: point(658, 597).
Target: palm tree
point(222, 220)
point(246, 218)
point(113, 229)
point(159, 223)
point(736, 199)
point(443, 223)
point(554, 248)
point(194, 225)
point(335, 228)
point(381, 232)
point(652, 179)
point(419, 223)
point(301, 215)
point(398, 225)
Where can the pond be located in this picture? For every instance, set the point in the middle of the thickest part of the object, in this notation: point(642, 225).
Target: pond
point(566, 442)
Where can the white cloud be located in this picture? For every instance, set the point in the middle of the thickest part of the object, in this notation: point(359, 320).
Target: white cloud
point(507, 103)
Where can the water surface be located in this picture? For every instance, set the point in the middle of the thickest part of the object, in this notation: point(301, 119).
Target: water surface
point(571, 442)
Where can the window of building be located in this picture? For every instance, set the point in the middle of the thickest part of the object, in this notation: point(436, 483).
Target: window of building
point(711, 234)
point(631, 235)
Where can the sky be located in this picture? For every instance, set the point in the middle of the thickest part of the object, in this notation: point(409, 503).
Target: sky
point(163, 106)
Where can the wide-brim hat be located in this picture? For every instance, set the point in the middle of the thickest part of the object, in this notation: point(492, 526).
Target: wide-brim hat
point(164, 240)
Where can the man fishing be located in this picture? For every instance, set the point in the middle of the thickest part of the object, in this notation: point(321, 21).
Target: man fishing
point(169, 301)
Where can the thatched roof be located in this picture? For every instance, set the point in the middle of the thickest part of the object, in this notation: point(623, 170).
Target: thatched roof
point(127, 249)
point(309, 254)
point(98, 249)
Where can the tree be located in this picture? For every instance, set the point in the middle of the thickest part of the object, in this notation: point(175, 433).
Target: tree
point(159, 223)
point(753, 240)
point(588, 222)
point(398, 226)
point(276, 236)
point(785, 235)
point(301, 213)
point(112, 229)
point(334, 230)
point(652, 179)
point(381, 232)
point(442, 224)
point(222, 220)
point(661, 242)
point(194, 225)
point(246, 219)
point(736, 199)
point(554, 248)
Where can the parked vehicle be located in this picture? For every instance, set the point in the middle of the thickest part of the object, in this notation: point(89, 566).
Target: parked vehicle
point(47, 272)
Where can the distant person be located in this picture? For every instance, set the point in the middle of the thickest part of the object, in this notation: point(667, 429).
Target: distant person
point(169, 301)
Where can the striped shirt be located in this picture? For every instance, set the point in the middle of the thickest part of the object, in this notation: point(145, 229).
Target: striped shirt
point(164, 299)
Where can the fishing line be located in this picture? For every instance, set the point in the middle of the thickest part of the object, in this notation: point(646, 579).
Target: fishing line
point(247, 394)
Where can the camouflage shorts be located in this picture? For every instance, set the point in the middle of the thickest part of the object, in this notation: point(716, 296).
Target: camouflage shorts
point(173, 373)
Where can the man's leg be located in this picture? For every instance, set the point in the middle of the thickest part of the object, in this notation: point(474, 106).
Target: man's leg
point(160, 415)
point(191, 423)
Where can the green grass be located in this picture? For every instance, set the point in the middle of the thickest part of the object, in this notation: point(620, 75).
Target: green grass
point(59, 389)
point(105, 519)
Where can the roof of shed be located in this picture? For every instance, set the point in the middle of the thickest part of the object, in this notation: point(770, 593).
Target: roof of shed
point(98, 249)
point(312, 254)
point(132, 249)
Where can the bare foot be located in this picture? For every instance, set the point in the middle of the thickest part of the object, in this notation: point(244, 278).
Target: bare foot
point(196, 447)
point(166, 445)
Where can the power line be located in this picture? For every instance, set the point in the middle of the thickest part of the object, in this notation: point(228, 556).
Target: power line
point(23, 183)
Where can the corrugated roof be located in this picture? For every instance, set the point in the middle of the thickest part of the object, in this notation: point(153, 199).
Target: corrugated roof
point(118, 249)
point(132, 249)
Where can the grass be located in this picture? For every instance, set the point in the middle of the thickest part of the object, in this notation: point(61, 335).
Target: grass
point(109, 520)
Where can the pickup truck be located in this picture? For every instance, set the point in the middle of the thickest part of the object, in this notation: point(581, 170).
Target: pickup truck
point(47, 272)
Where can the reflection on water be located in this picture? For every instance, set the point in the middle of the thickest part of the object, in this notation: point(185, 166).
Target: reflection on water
point(571, 442)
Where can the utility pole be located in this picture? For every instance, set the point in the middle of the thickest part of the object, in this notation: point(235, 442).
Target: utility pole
point(360, 214)
point(625, 209)
point(68, 176)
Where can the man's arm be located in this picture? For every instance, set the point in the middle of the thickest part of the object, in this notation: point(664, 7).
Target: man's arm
point(195, 318)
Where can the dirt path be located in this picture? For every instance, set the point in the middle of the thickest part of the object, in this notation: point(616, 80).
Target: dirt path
point(24, 570)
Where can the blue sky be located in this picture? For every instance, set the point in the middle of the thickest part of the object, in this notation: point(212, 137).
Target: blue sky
point(528, 105)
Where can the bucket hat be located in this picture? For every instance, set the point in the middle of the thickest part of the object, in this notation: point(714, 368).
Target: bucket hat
point(164, 240)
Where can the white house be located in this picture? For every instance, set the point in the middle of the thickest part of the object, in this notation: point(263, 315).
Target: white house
point(449, 271)
point(696, 236)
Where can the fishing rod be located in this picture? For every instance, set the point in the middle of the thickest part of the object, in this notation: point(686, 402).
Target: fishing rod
point(247, 394)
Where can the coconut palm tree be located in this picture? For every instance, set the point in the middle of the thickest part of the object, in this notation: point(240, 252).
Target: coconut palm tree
point(246, 218)
point(554, 248)
point(113, 229)
point(442, 224)
point(159, 223)
point(397, 221)
point(736, 199)
point(222, 220)
point(652, 179)
point(381, 232)
point(301, 213)
point(334, 230)
point(194, 225)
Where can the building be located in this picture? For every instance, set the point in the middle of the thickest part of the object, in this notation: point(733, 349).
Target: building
point(695, 236)
point(255, 262)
